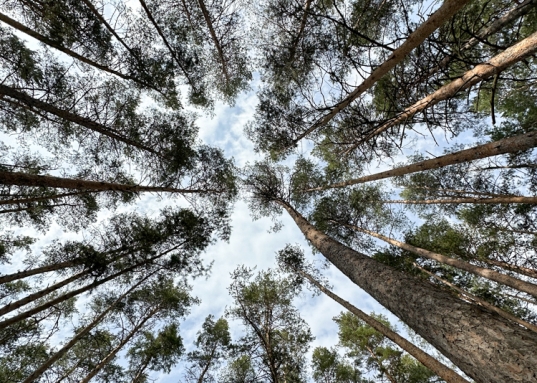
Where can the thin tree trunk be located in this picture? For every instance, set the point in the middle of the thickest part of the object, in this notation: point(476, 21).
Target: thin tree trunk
point(492, 275)
point(25, 179)
point(216, 43)
point(484, 345)
point(424, 358)
point(69, 116)
point(444, 13)
point(456, 191)
point(480, 301)
point(494, 200)
point(41, 369)
point(45, 40)
point(141, 371)
point(506, 145)
point(496, 26)
point(382, 369)
point(38, 270)
point(32, 297)
point(165, 40)
point(113, 353)
point(300, 31)
point(62, 298)
point(481, 72)
point(518, 269)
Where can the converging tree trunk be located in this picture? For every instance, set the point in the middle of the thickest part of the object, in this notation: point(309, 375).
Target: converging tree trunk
point(36, 271)
point(484, 345)
point(506, 145)
point(442, 14)
point(447, 201)
point(494, 66)
point(424, 358)
point(507, 280)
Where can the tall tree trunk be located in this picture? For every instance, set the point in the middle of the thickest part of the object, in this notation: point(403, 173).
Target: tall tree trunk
point(424, 358)
point(165, 40)
point(113, 353)
point(300, 32)
point(25, 179)
point(32, 297)
point(494, 66)
point(72, 117)
point(480, 301)
point(216, 42)
point(38, 270)
point(496, 26)
point(444, 13)
point(61, 352)
point(492, 275)
point(484, 345)
point(506, 145)
point(494, 200)
point(517, 269)
point(45, 40)
point(37, 199)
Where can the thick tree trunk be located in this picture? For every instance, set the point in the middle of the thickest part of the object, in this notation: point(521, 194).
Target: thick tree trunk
point(507, 280)
point(165, 40)
point(506, 145)
point(37, 270)
point(113, 353)
point(507, 58)
point(25, 179)
point(45, 40)
point(32, 297)
point(481, 302)
point(484, 345)
point(424, 358)
point(448, 9)
point(216, 42)
point(69, 116)
point(447, 201)
point(61, 352)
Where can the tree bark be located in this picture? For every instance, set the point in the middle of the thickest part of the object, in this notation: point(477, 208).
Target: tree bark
point(25, 179)
point(517, 269)
point(32, 297)
point(69, 116)
point(492, 275)
point(507, 58)
point(506, 145)
point(61, 352)
point(442, 14)
point(484, 345)
point(45, 40)
point(36, 199)
point(480, 301)
point(424, 358)
point(300, 31)
point(37, 270)
point(113, 353)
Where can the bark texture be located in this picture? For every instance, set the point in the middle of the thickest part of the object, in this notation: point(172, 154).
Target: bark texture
point(448, 9)
point(507, 145)
point(424, 358)
point(484, 345)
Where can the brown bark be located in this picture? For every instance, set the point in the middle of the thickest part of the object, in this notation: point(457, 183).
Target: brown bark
point(216, 42)
point(448, 9)
point(25, 179)
point(424, 358)
point(518, 269)
point(37, 199)
point(481, 302)
point(494, 66)
point(513, 199)
point(506, 145)
point(484, 345)
point(300, 31)
point(38, 270)
point(507, 280)
point(32, 297)
point(113, 353)
point(61, 352)
point(45, 40)
point(69, 116)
